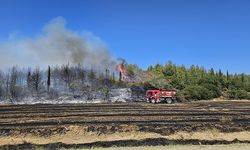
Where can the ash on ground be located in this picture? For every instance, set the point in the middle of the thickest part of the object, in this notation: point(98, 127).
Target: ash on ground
point(96, 96)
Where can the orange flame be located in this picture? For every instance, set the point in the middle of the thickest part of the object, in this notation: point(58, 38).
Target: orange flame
point(122, 69)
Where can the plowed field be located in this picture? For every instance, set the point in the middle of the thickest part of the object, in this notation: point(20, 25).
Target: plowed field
point(92, 123)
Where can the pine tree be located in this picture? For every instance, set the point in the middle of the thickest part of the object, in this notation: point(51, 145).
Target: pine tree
point(220, 74)
point(48, 80)
point(242, 77)
point(28, 80)
point(228, 77)
point(120, 76)
point(211, 72)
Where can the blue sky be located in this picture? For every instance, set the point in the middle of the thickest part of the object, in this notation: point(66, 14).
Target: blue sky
point(209, 33)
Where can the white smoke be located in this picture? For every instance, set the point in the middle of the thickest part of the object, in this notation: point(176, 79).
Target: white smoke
point(56, 45)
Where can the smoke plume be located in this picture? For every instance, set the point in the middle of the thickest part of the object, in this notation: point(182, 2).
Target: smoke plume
point(56, 45)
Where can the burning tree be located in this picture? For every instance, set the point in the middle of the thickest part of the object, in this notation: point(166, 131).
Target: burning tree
point(121, 68)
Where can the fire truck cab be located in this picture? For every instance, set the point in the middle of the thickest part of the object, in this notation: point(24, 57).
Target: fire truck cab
point(156, 96)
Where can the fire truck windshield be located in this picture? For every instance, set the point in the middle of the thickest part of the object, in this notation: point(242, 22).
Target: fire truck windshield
point(149, 93)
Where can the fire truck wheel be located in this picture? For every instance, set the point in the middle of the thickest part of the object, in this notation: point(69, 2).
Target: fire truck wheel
point(153, 101)
point(169, 100)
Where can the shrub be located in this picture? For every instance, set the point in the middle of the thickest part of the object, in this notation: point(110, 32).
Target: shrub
point(214, 91)
point(180, 97)
point(237, 94)
point(200, 92)
point(194, 92)
point(242, 94)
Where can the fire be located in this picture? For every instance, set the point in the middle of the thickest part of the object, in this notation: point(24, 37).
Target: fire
point(122, 70)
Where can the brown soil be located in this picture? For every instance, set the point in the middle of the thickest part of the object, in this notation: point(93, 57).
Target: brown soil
point(86, 124)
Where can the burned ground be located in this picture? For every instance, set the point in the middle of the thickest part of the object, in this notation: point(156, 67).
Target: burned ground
point(103, 120)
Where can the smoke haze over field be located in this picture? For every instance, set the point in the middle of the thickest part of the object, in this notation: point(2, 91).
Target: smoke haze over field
point(56, 45)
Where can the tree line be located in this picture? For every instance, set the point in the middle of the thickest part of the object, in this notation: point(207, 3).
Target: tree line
point(191, 83)
point(198, 83)
point(17, 84)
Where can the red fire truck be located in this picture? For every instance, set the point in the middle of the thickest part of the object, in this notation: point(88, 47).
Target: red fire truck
point(156, 96)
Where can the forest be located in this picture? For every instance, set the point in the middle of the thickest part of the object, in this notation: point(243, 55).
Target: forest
point(191, 83)
point(198, 83)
